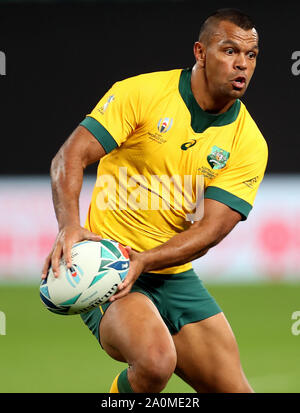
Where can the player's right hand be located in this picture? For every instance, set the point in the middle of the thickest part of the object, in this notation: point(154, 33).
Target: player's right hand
point(66, 238)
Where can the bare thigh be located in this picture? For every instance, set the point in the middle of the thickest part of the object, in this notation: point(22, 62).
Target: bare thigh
point(208, 357)
point(133, 331)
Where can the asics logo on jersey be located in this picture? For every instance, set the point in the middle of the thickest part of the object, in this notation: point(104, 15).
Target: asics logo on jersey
point(164, 124)
point(188, 144)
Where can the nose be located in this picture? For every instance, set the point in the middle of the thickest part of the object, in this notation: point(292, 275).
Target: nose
point(241, 62)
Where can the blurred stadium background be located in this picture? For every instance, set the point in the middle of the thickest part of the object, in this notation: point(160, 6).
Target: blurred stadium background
point(61, 56)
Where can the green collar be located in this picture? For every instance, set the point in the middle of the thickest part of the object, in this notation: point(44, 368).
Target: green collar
point(201, 120)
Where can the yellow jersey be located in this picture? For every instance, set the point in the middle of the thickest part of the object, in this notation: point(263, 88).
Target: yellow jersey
point(164, 154)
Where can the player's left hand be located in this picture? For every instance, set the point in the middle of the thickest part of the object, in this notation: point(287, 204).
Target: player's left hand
point(135, 269)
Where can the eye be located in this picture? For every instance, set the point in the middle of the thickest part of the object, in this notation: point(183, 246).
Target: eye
point(229, 51)
point(252, 55)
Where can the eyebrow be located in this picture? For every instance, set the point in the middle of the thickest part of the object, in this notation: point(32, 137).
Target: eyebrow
point(233, 43)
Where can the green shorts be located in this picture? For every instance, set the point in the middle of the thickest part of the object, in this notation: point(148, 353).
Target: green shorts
point(180, 299)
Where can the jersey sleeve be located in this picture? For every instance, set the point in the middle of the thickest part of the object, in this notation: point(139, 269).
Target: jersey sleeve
point(237, 185)
point(115, 116)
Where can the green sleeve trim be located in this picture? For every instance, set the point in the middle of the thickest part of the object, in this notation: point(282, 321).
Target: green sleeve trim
point(100, 133)
point(234, 202)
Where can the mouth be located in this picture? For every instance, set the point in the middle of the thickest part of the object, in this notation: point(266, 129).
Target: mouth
point(239, 82)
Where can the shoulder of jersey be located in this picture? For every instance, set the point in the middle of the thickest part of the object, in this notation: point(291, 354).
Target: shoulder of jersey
point(154, 81)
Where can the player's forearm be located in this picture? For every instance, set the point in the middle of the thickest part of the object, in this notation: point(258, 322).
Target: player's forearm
point(66, 182)
point(80, 150)
point(184, 247)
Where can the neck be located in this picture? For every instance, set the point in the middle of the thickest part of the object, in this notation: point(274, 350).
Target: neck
point(204, 97)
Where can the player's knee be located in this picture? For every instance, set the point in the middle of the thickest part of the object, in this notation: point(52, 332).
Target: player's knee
point(155, 370)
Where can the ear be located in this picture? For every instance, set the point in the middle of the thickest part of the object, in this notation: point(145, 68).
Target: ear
point(200, 53)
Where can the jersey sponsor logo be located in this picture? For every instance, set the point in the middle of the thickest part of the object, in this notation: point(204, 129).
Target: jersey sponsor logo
point(103, 108)
point(251, 182)
point(188, 144)
point(218, 158)
point(164, 124)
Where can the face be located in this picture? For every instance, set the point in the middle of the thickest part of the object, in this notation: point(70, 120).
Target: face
point(229, 60)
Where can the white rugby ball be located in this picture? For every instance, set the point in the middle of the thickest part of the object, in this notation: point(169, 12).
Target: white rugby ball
point(98, 267)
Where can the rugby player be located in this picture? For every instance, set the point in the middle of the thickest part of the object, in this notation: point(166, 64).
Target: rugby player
point(177, 123)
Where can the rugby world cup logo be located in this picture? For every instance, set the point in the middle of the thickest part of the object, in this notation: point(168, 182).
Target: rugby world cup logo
point(164, 124)
point(74, 274)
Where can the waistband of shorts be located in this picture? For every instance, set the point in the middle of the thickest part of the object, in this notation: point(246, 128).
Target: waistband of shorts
point(163, 276)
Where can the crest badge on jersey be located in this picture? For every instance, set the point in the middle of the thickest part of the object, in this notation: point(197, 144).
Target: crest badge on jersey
point(218, 158)
point(164, 124)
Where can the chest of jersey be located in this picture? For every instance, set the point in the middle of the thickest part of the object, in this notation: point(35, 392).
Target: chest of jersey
point(167, 145)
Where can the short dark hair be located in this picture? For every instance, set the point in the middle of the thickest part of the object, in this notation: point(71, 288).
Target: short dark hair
point(235, 16)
